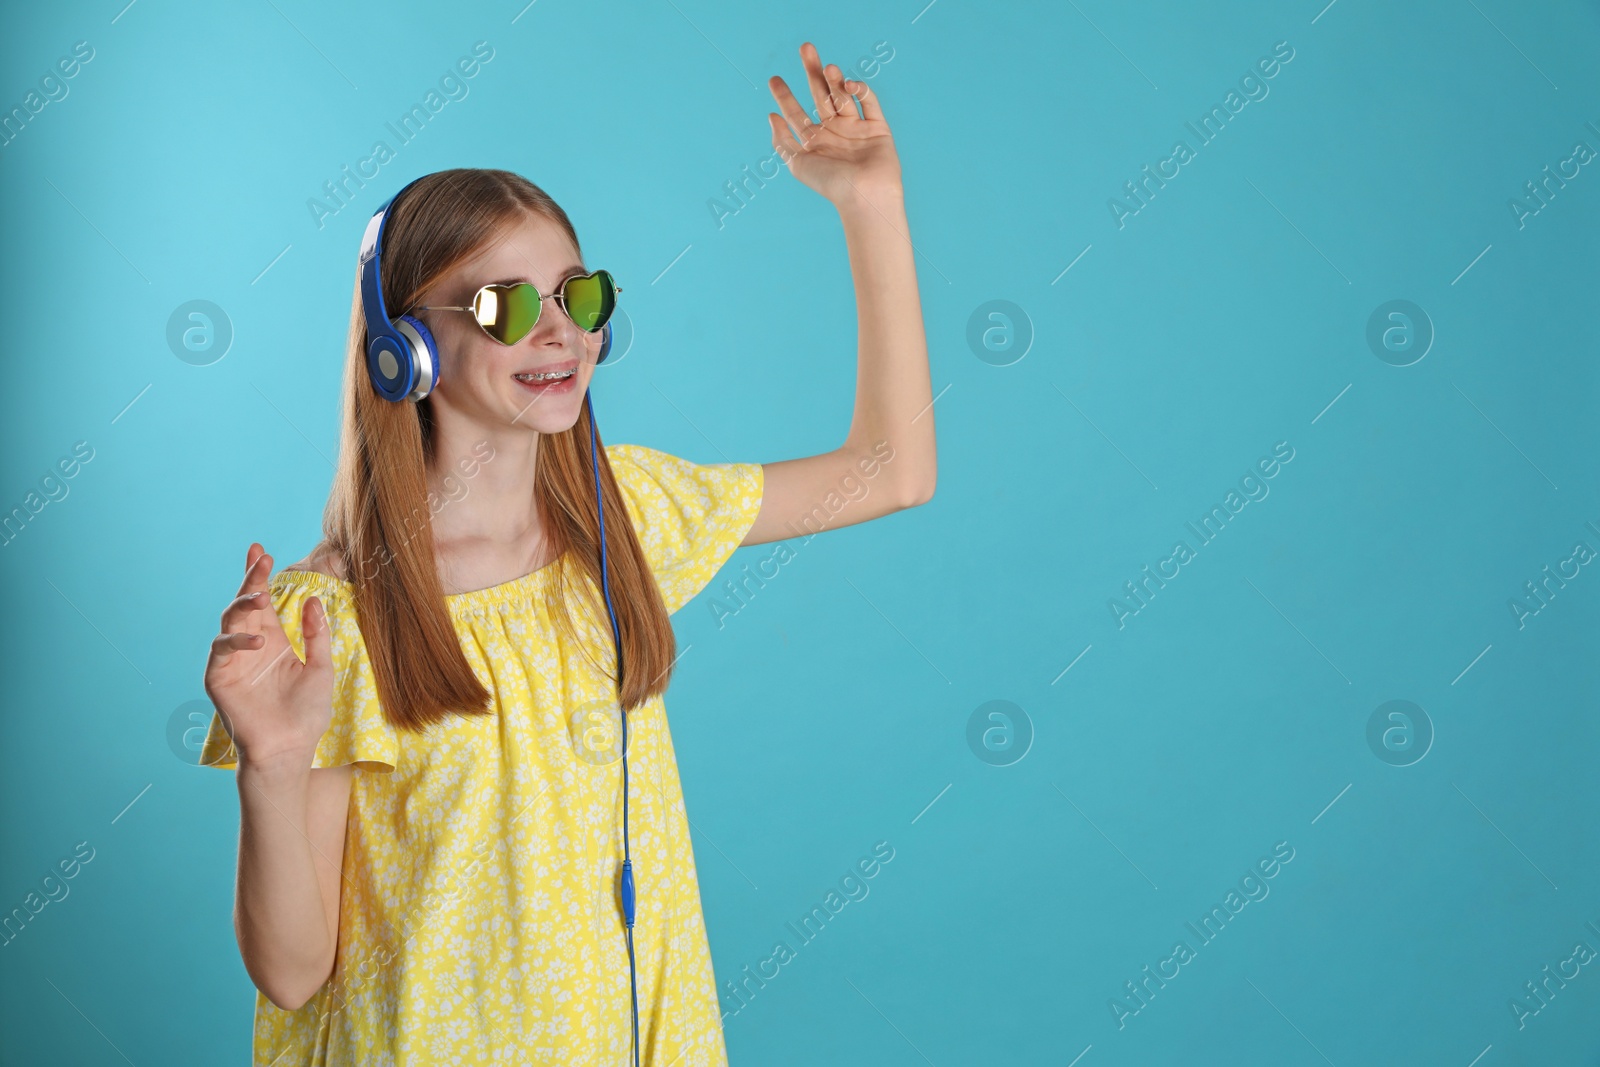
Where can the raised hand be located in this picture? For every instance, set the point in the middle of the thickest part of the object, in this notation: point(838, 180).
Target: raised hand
point(845, 154)
point(272, 704)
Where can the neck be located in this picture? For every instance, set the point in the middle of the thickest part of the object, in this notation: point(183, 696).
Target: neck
point(480, 485)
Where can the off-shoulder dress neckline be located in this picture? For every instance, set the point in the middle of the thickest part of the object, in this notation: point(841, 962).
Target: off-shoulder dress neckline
point(517, 589)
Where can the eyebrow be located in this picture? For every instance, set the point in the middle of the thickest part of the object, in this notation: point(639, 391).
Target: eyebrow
point(562, 274)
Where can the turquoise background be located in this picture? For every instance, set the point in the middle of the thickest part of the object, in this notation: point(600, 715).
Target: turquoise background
point(1230, 714)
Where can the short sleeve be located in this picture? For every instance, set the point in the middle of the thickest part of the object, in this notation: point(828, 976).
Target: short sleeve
point(358, 732)
point(689, 516)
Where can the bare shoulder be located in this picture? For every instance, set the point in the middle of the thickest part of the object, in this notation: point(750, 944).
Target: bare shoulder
point(322, 560)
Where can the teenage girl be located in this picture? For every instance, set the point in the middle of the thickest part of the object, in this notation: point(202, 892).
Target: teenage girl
point(426, 713)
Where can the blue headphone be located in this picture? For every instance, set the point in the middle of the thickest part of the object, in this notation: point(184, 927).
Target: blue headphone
point(403, 364)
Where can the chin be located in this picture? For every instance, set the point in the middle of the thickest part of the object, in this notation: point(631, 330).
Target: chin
point(549, 414)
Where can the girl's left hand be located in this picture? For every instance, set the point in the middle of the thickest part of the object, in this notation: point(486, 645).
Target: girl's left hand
point(845, 154)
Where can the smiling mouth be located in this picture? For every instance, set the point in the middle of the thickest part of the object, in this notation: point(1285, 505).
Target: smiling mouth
point(551, 376)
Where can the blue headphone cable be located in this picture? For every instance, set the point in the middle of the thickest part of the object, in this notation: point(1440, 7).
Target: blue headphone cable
point(616, 636)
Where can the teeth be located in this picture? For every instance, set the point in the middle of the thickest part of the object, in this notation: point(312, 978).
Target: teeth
point(544, 377)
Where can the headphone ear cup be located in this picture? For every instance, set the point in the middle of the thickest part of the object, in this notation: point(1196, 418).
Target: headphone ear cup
point(424, 352)
point(391, 366)
point(605, 345)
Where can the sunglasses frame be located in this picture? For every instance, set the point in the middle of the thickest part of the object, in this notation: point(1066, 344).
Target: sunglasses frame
point(559, 296)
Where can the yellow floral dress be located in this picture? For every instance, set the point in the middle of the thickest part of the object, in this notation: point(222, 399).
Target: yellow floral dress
point(479, 920)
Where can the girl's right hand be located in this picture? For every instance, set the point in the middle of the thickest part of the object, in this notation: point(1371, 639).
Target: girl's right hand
point(271, 703)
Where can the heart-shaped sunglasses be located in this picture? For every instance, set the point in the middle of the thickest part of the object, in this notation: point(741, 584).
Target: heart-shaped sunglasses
point(507, 312)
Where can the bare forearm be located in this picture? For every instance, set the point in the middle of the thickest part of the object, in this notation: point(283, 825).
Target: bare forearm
point(279, 917)
point(893, 388)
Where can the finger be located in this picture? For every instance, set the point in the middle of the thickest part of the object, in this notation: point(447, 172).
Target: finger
point(792, 111)
point(838, 95)
point(314, 633)
point(223, 646)
point(238, 612)
point(236, 642)
point(782, 139)
point(869, 101)
point(255, 572)
point(819, 84)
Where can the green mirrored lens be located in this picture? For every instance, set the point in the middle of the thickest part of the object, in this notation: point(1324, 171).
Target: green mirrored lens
point(590, 299)
point(507, 312)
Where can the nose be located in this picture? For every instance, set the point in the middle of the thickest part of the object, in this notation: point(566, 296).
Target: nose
point(556, 326)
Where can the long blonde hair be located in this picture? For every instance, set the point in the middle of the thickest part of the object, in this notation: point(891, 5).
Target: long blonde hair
point(379, 489)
